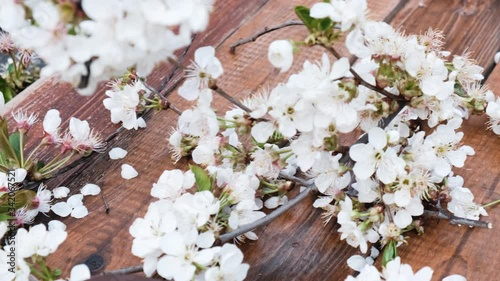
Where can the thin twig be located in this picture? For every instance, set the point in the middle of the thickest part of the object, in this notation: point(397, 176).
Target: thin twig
point(123, 271)
point(267, 219)
point(228, 97)
point(363, 82)
point(232, 48)
point(443, 215)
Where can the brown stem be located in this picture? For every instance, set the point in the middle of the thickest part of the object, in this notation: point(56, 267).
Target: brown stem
point(225, 95)
point(444, 215)
point(123, 271)
point(269, 218)
point(363, 82)
point(243, 41)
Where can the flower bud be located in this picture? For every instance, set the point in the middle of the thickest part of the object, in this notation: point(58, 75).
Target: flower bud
point(280, 54)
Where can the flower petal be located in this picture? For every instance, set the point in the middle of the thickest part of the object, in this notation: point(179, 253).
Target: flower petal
point(90, 189)
point(117, 153)
point(128, 172)
point(61, 209)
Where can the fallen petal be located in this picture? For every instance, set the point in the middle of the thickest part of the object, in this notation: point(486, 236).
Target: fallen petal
point(128, 172)
point(90, 189)
point(117, 153)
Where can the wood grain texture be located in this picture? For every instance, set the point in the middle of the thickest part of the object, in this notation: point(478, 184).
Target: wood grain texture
point(297, 246)
point(462, 21)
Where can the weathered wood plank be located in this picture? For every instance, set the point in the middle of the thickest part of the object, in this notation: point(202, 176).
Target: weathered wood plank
point(297, 246)
point(463, 22)
point(108, 235)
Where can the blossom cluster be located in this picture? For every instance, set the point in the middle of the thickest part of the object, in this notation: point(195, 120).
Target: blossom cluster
point(89, 41)
point(33, 246)
point(19, 71)
point(379, 188)
point(395, 271)
point(177, 236)
point(77, 139)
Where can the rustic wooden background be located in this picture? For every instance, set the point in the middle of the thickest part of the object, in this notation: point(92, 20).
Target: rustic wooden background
point(297, 246)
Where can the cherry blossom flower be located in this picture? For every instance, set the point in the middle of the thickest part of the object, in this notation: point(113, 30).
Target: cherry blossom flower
point(123, 103)
point(81, 138)
point(182, 256)
point(24, 121)
point(394, 270)
point(147, 231)
point(230, 266)
point(42, 200)
point(358, 262)
point(348, 13)
point(79, 272)
point(51, 123)
point(24, 216)
point(244, 213)
point(6, 43)
point(367, 273)
point(493, 111)
point(39, 241)
point(462, 204)
point(372, 158)
point(204, 68)
point(172, 184)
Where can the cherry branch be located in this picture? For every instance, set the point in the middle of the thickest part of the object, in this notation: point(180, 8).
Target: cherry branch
point(443, 214)
point(272, 216)
point(123, 271)
point(253, 38)
point(362, 81)
point(228, 97)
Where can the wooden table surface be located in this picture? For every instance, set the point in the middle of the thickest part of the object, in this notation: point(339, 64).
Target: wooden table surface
point(297, 246)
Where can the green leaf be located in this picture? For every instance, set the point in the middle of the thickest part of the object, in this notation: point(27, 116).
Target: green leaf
point(390, 253)
point(325, 24)
point(203, 181)
point(22, 198)
point(39, 165)
point(459, 91)
point(303, 14)
point(4, 217)
point(5, 146)
point(15, 142)
point(10, 68)
point(7, 92)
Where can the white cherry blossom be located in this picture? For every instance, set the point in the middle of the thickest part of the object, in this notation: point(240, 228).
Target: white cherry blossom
point(204, 68)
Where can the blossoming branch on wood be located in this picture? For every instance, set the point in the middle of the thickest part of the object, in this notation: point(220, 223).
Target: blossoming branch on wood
point(405, 96)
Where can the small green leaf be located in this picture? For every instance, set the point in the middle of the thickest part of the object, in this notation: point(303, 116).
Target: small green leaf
point(7, 92)
point(39, 165)
point(4, 217)
point(22, 198)
point(10, 68)
point(390, 253)
point(56, 272)
point(303, 14)
point(459, 91)
point(5, 146)
point(15, 142)
point(325, 24)
point(203, 181)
